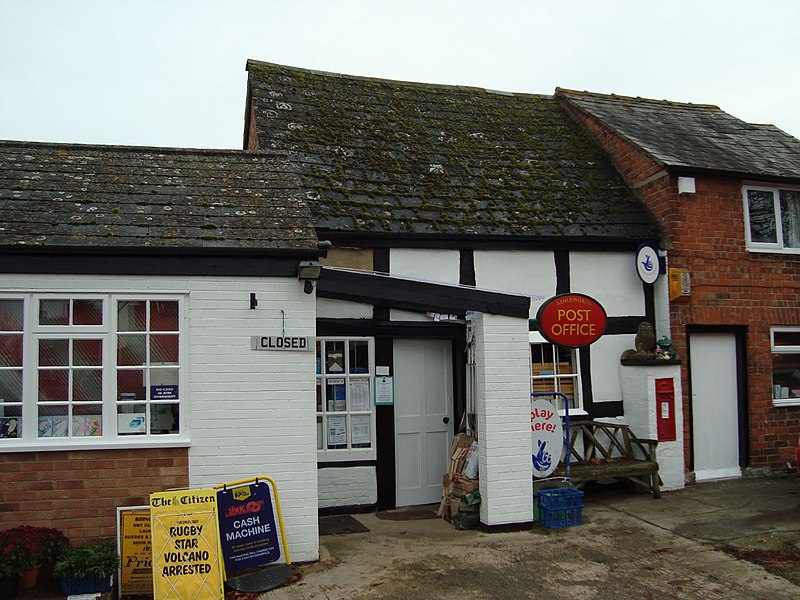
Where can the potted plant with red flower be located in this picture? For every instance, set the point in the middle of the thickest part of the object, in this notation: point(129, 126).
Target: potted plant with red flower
point(25, 548)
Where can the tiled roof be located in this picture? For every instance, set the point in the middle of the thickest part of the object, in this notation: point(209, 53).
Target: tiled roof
point(60, 195)
point(694, 136)
point(389, 157)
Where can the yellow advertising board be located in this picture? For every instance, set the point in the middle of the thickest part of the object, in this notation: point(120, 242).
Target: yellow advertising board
point(187, 562)
point(135, 549)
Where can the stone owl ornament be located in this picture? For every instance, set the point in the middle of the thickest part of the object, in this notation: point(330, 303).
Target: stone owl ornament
point(645, 343)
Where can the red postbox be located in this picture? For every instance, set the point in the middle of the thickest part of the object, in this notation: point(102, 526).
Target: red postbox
point(665, 410)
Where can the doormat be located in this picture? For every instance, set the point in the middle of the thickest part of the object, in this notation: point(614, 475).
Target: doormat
point(333, 524)
point(408, 514)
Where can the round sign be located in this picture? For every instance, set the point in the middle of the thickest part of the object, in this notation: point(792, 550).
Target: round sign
point(547, 437)
point(647, 264)
point(571, 320)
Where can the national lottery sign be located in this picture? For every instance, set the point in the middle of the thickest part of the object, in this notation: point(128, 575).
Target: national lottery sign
point(247, 526)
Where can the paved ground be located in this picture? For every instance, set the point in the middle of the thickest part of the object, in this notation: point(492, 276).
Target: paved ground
point(629, 546)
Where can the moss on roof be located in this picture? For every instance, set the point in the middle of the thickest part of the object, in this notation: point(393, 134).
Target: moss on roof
point(71, 195)
point(687, 136)
point(382, 156)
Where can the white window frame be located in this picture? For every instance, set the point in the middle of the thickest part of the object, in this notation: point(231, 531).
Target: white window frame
point(778, 245)
point(349, 453)
point(576, 408)
point(33, 333)
point(782, 350)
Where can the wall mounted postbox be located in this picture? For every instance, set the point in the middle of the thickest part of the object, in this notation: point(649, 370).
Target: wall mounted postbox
point(665, 410)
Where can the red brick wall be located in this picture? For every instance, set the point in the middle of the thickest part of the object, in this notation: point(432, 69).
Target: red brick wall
point(78, 492)
point(705, 233)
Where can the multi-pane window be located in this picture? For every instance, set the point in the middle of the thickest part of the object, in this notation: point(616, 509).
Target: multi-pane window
point(11, 366)
point(556, 369)
point(785, 366)
point(773, 218)
point(69, 342)
point(345, 414)
point(148, 367)
point(89, 367)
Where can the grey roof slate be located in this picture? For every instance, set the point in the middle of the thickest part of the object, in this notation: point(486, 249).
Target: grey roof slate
point(67, 195)
point(694, 136)
point(389, 157)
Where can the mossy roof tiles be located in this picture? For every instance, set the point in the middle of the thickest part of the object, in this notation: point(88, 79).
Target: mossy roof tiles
point(388, 157)
point(66, 195)
point(694, 136)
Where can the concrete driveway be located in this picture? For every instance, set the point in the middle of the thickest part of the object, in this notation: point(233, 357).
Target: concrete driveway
point(629, 546)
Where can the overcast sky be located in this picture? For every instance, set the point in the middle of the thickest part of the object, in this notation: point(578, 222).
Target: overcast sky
point(172, 72)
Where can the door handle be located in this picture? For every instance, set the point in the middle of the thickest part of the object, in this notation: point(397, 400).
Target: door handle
point(446, 420)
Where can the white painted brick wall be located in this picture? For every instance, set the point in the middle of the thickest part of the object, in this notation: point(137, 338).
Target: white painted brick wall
point(639, 400)
point(249, 413)
point(503, 409)
point(253, 411)
point(347, 486)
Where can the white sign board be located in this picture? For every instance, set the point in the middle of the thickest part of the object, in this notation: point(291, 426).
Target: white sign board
point(647, 264)
point(547, 437)
point(281, 343)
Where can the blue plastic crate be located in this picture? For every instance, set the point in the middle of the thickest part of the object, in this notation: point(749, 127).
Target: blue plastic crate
point(562, 507)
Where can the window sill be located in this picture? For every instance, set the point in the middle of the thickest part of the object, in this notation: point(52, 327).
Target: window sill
point(331, 456)
point(773, 250)
point(574, 412)
point(60, 446)
point(785, 402)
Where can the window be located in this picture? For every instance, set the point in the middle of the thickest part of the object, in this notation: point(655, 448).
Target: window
point(773, 218)
point(84, 369)
point(556, 369)
point(345, 414)
point(785, 366)
point(11, 363)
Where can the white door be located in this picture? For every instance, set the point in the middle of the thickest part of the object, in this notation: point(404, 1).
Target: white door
point(715, 409)
point(423, 406)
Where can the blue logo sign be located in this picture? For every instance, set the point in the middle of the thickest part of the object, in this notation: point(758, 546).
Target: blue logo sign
point(542, 460)
point(247, 526)
point(647, 264)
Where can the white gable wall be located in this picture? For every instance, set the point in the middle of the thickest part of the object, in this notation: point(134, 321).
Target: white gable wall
point(528, 273)
point(442, 266)
point(610, 278)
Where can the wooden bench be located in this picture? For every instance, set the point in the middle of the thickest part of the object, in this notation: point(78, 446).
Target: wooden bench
point(611, 451)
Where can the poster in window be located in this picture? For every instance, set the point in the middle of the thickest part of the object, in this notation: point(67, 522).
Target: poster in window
point(337, 431)
point(53, 426)
point(164, 392)
point(337, 401)
point(86, 425)
point(9, 427)
point(359, 395)
point(361, 432)
point(131, 423)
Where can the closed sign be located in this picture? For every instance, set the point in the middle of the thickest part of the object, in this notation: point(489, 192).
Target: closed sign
point(280, 342)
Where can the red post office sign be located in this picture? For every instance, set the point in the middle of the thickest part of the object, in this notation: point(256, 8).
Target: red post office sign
point(571, 320)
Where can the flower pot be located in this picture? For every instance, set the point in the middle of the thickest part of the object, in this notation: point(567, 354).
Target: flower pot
point(85, 585)
point(28, 578)
point(8, 586)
